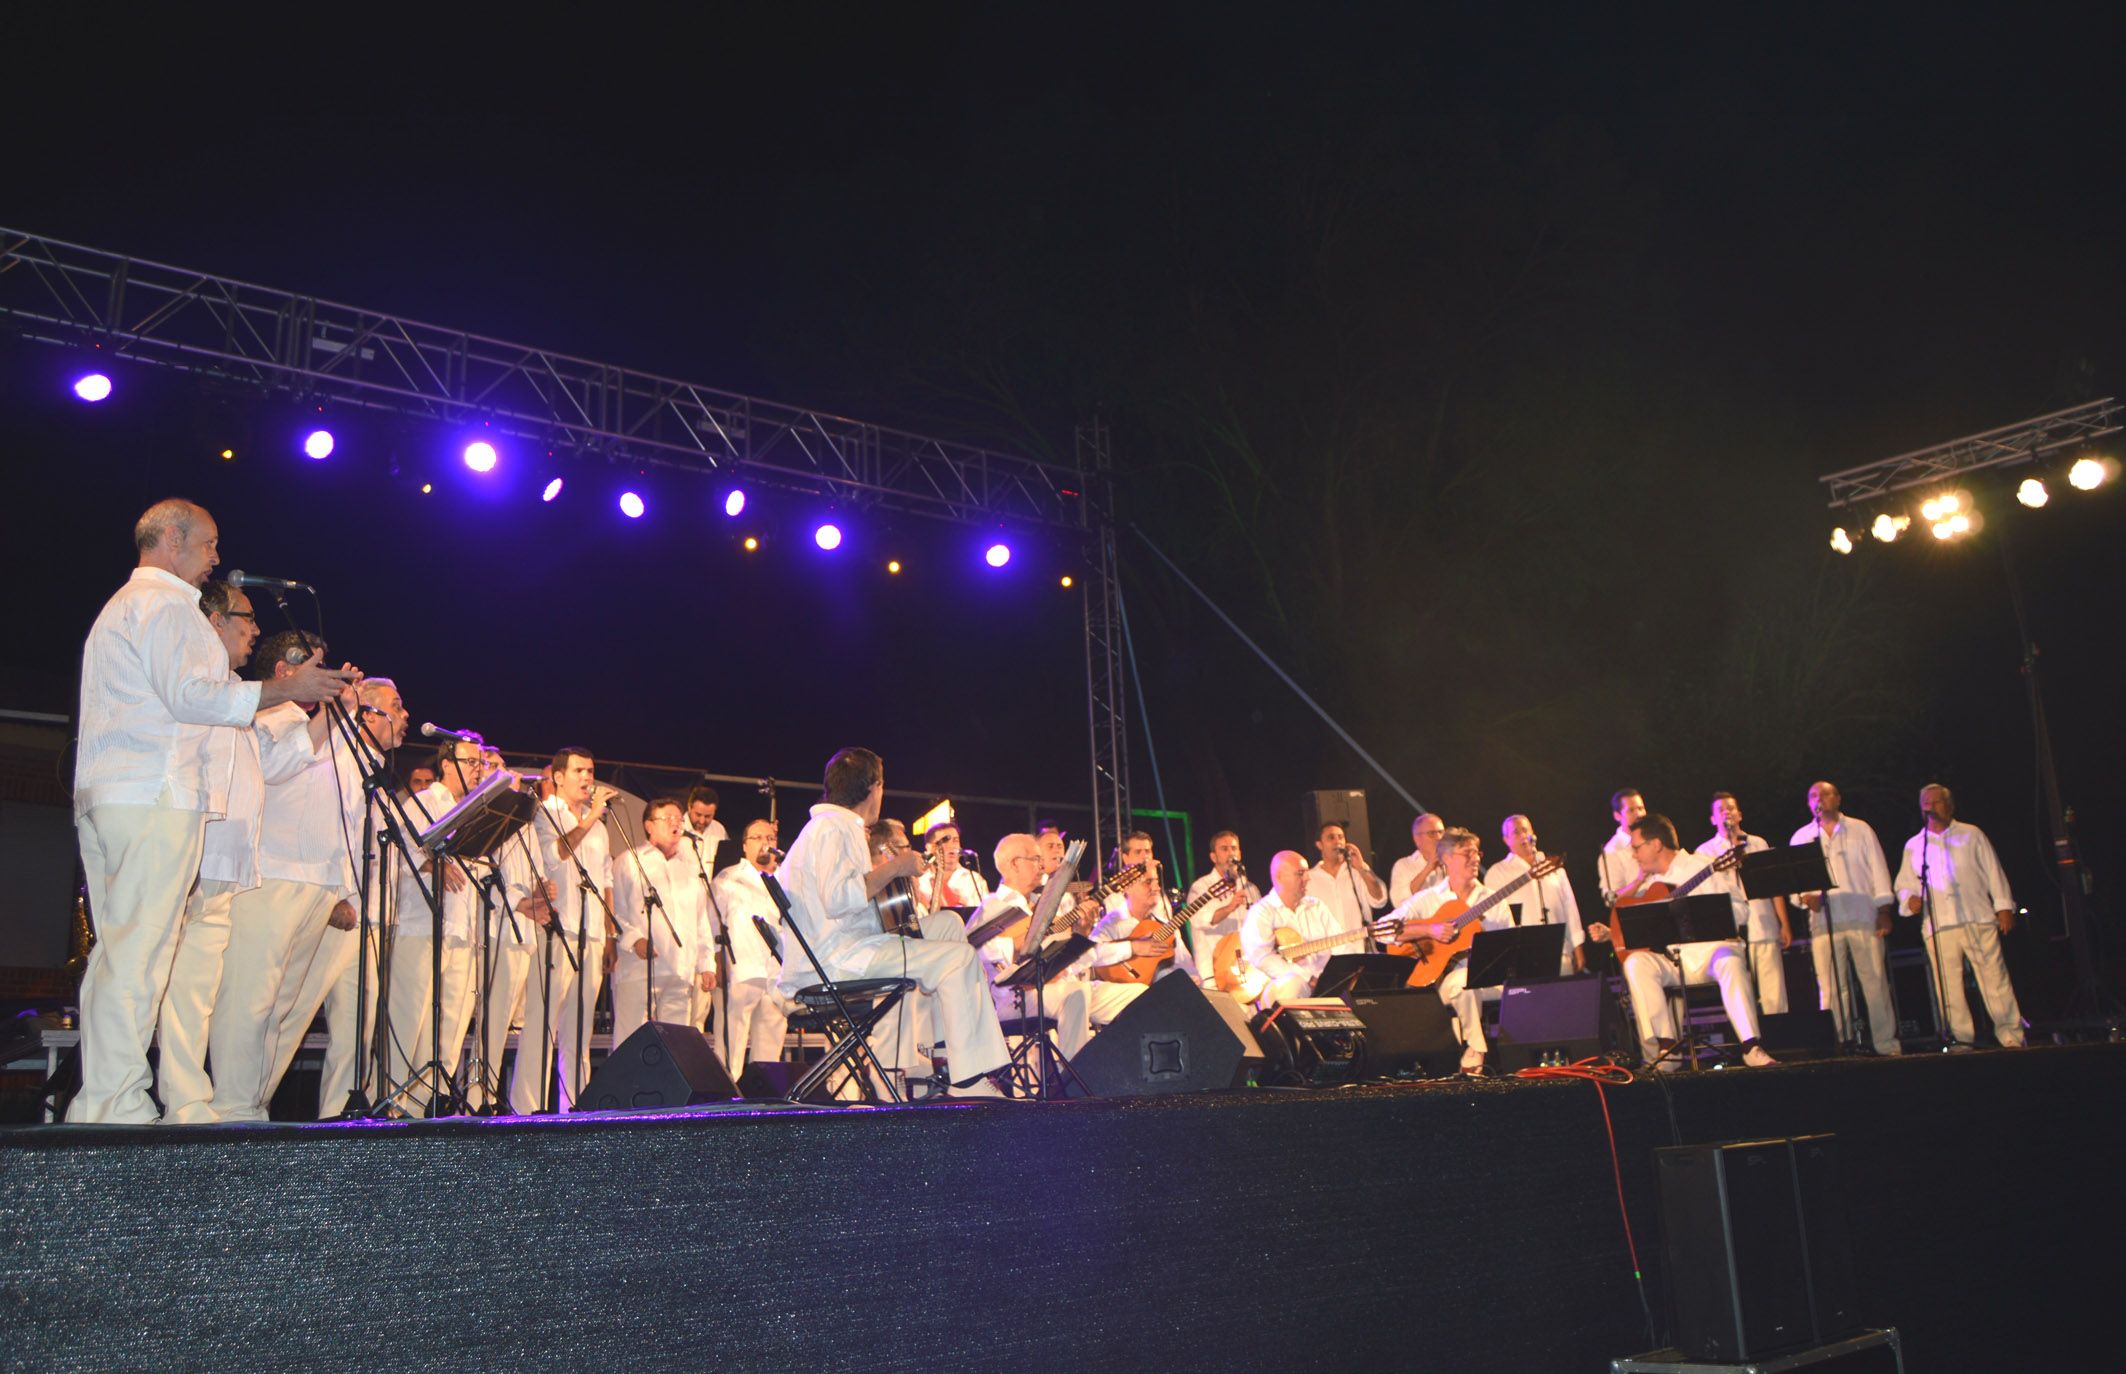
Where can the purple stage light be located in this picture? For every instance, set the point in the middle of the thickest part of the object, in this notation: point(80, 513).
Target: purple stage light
point(631, 505)
point(998, 555)
point(553, 489)
point(480, 456)
point(734, 504)
point(318, 443)
point(92, 386)
point(828, 536)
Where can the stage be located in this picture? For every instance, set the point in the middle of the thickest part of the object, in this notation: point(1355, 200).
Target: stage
point(1437, 1225)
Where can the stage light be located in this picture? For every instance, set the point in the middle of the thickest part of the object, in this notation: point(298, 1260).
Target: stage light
point(318, 443)
point(1887, 527)
point(998, 555)
point(92, 387)
point(828, 537)
point(2032, 493)
point(1066, 579)
point(427, 487)
point(734, 504)
point(893, 565)
point(1840, 540)
point(631, 505)
point(1951, 526)
point(480, 456)
point(751, 543)
point(228, 455)
point(2087, 474)
point(553, 489)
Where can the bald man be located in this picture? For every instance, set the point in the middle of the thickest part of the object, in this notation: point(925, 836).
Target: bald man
point(1951, 878)
point(155, 685)
point(1290, 906)
point(1067, 997)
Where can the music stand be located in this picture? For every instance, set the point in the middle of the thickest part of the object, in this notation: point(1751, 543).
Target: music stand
point(1694, 919)
point(1038, 1055)
point(1520, 955)
point(482, 819)
point(1795, 869)
point(1346, 975)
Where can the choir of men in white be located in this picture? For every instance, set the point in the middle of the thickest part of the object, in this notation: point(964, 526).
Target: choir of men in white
point(156, 689)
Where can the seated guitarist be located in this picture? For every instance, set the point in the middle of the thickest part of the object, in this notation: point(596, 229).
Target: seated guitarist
point(1115, 938)
point(1651, 973)
point(1288, 907)
point(1461, 856)
point(1066, 998)
point(1222, 918)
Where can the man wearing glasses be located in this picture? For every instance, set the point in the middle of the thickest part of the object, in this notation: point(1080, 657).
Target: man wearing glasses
point(1650, 974)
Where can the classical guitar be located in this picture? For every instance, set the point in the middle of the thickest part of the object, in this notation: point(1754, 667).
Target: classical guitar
point(1013, 921)
point(1434, 957)
point(898, 913)
point(1231, 972)
point(1658, 891)
point(1142, 968)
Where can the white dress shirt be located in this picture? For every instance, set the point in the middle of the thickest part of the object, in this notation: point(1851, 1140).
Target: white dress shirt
point(424, 807)
point(712, 841)
point(596, 853)
point(1403, 877)
point(1860, 876)
point(1763, 919)
point(313, 819)
point(1112, 933)
point(644, 868)
point(1339, 892)
point(230, 851)
point(1310, 921)
point(1424, 905)
point(1963, 875)
point(740, 896)
point(1547, 900)
point(155, 682)
point(963, 887)
point(824, 875)
point(1615, 868)
point(1205, 931)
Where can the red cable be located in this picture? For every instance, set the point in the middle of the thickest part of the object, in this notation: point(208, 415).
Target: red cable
point(1600, 1070)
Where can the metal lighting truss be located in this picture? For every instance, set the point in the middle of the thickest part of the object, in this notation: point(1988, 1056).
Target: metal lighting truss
point(148, 312)
point(151, 313)
point(2017, 443)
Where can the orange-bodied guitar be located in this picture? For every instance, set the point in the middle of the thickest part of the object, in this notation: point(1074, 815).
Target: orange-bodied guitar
point(1142, 968)
point(1658, 891)
point(1434, 956)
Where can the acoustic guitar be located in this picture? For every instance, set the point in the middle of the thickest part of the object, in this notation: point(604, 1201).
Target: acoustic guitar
point(1013, 921)
point(1142, 968)
point(1234, 974)
point(1434, 957)
point(1658, 891)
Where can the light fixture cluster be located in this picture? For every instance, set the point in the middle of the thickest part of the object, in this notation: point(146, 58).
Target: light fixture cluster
point(1951, 515)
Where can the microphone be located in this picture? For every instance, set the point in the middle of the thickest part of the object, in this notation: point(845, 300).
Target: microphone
point(365, 709)
point(435, 731)
point(767, 937)
point(239, 578)
point(775, 854)
point(650, 898)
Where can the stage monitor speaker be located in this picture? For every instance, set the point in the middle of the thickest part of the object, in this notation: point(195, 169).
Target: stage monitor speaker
point(1345, 806)
point(1174, 1038)
point(1407, 1030)
point(1809, 1034)
point(1559, 1019)
point(660, 1065)
point(1755, 1244)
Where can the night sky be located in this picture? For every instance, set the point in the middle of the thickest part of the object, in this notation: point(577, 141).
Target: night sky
point(1479, 360)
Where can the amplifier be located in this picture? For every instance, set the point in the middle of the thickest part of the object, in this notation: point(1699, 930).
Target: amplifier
point(1311, 1045)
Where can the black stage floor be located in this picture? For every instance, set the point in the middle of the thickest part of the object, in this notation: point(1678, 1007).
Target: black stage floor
point(1468, 1226)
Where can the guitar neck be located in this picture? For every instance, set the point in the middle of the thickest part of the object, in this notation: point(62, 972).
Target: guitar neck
point(1192, 906)
point(1320, 943)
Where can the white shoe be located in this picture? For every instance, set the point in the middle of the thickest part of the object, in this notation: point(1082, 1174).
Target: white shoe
point(981, 1087)
point(1757, 1057)
point(1473, 1063)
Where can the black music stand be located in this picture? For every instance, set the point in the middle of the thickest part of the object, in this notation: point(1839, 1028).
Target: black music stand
point(1802, 868)
point(1521, 955)
point(1346, 975)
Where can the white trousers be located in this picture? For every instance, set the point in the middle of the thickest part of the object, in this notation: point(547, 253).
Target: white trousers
point(955, 1001)
point(905, 1039)
point(505, 998)
point(755, 1024)
point(1650, 976)
point(1467, 1003)
point(182, 1030)
point(140, 862)
point(1980, 943)
point(550, 1025)
point(1767, 962)
point(407, 1051)
point(1860, 954)
point(274, 930)
point(1067, 1001)
point(673, 997)
point(351, 999)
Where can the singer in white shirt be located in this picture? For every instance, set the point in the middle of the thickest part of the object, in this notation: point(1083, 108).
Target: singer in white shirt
point(667, 949)
point(1967, 907)
point(567, 975)
point(1615, 868)
point(755, 1020)
point(1342, 882)
point(1220, 917)
point(154, 684)
point(963, 886)
point(1417, 869)
point(703, 831)
point(1547, 900)
point(1847, 925)
point(1764, 918)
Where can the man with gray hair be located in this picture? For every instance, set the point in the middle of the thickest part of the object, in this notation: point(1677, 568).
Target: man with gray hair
point(1951, 877)
point(155, 685)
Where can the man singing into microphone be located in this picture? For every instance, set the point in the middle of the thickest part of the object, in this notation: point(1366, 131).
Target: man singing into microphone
point(755, 1019)
point(155, 683)
point(564, 988)
point(667, 949)
point(1341, 876)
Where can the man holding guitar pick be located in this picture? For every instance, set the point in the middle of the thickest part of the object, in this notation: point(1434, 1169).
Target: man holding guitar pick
point(1665, 870)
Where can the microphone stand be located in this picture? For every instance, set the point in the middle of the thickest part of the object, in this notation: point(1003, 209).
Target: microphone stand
point(652, 899)
point(1849, 1033)
point(720, 929)
point(1932, 933)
